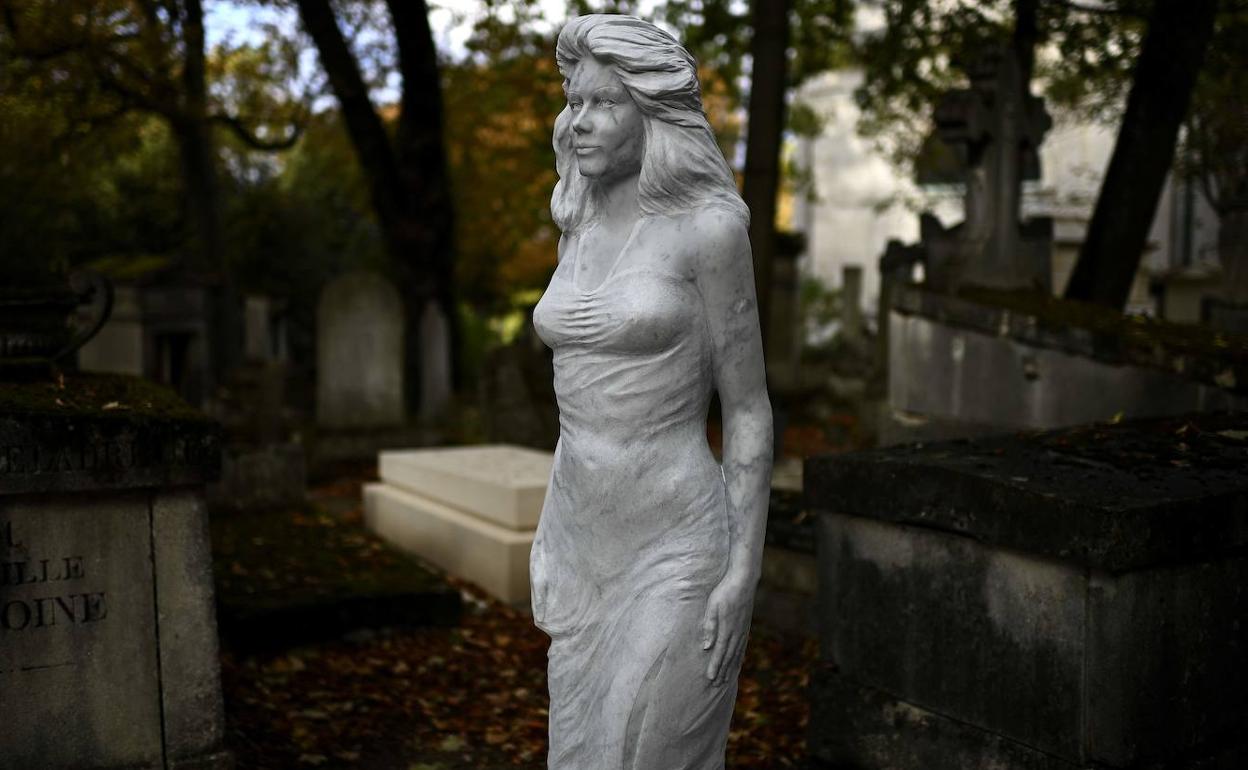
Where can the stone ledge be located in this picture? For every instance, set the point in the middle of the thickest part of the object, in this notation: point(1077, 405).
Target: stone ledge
point(1203, 355)
point(1113, 497)
point(102, 433)
point(503, 484)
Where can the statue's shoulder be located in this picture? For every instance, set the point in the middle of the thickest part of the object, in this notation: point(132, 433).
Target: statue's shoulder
point(712, 232)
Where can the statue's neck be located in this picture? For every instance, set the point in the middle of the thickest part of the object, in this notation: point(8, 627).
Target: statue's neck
point(616, 201)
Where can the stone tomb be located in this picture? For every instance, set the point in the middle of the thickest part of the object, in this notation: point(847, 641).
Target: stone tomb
point(108, 647)
point(1053, 600)
point(472, 511)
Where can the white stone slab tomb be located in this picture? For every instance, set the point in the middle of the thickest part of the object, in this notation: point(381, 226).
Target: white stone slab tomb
point(471, 511)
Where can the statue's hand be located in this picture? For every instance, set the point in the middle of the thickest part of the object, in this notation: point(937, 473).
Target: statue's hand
point(726, 626)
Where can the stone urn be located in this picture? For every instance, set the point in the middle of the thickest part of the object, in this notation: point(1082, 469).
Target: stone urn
point(38, 308)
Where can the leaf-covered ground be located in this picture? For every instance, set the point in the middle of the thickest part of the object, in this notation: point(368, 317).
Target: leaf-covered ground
point(468, 696)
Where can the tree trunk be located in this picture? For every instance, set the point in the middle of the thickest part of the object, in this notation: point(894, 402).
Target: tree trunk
point(194, 137)
point(1026, 33)
point(408, 179)
point(197, 153)
point(769, 48)
point(364, 125)
point(421, 155)
point(1174, 47)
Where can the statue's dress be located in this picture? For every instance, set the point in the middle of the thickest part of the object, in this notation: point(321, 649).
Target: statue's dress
point(634, 532)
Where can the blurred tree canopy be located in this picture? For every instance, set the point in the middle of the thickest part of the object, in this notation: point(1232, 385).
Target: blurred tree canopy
point(501, 103)
point(1215, 145)
point(123, 135)
point(99, 62)
point(1139, 63)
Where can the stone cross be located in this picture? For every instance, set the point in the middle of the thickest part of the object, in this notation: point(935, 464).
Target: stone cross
point(995, 127)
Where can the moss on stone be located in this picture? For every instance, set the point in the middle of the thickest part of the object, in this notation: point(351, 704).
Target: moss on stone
point(1137, 330)
point(96, 395)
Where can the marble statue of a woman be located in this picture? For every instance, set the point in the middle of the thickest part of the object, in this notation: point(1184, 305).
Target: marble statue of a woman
point(648, 551)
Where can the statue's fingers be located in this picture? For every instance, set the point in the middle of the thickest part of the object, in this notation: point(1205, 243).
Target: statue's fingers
point(709, 628)
point(719, 655)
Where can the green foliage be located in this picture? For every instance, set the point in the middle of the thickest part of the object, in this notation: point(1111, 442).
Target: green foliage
point(91, 99)
point(291, 228)
point(72, 192)
point(718, 33)
point(1085, 60)
point(913, 59)
point(820, 305)
point(69, 156)
point(500, 106)
point(1215, 144)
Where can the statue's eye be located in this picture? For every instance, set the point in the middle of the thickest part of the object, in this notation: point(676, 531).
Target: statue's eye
point(574, 106)
point(607, 102)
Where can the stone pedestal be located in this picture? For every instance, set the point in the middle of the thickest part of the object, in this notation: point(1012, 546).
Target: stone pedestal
point(472, 511)
point(108, 646)
point(1053, 600)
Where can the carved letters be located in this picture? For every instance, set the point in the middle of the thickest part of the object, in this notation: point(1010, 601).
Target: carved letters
point(54, 605)
point(104, 455)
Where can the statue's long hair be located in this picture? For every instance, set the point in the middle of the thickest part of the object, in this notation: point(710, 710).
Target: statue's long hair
point(682, 168)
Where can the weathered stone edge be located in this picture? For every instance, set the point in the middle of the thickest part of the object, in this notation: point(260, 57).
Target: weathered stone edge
point(46, 453)
point(854, 726)
point(908, 491)
point(1231, 376)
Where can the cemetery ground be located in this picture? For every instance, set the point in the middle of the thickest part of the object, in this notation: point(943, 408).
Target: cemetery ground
point(339, 652)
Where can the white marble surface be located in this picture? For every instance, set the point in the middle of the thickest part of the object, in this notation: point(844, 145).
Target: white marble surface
point(501, 483)
point(493, 557)
point(648, 551)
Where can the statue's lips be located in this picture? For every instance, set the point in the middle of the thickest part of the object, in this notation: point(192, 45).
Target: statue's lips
point(584, 149)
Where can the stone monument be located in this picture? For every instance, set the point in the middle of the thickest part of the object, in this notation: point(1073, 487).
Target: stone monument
point(108, 647)
point(1058, 601)
point(359, 353)
point(995, 128)
point(648, 551)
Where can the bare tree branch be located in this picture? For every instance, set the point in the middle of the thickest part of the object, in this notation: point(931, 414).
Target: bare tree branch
point(1104, 10)
point(249, 138)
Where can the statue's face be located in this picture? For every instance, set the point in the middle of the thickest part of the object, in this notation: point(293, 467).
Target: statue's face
point(608, 133)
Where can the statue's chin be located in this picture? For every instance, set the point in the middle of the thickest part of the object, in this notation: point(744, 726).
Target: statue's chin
point(590, 170)
point(605, 175)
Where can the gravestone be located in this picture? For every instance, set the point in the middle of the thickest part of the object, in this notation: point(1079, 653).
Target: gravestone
point(995, 128)
point(108, 646)
point(473, 511)
point(1056, 600)
point(257, 336)
point(359, 349)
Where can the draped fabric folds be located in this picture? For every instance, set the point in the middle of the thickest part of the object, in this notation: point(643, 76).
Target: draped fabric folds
point(634, 532)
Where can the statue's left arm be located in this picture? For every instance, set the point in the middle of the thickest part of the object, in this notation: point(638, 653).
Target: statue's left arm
point(725, 278)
